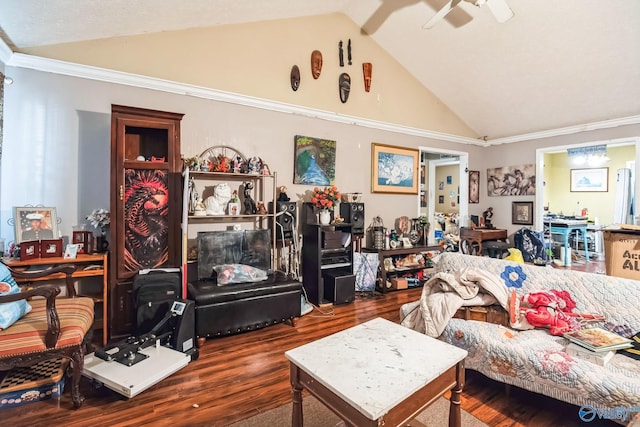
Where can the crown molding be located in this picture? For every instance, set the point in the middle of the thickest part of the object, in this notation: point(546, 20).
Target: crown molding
point(136, 80)
point(102, 74)
point(604, 124)
point(5, 52)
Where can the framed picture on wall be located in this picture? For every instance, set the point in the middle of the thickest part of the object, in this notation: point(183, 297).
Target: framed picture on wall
point(590, 180)
point(35, 223)
point(474, 186)
point(522, 213)
point(394, 169)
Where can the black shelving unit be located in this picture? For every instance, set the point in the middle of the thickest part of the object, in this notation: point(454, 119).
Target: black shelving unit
point(327, 255)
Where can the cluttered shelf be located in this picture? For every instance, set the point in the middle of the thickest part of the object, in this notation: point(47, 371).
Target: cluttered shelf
point(397, 267)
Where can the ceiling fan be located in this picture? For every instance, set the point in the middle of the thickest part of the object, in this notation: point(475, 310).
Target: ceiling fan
point(499, 8)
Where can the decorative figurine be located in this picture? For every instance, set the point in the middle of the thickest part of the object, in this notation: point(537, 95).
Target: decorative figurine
point(249, 204)
point(282, 197)
point(349, 52)
point(487, 215)
point(261, 209)
point(217, 204)
point(340, 54)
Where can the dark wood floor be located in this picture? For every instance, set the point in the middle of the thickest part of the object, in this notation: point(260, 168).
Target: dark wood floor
point(240, 376)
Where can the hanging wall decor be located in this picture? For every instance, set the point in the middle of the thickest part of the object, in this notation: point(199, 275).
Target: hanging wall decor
point(344, 87)
point(367, 68)
point(349, 52)
point(474, 186)
point(512, 181)
point(314, 161)
point(394, 169)
point(295, 78)
point(340, 54)
point(316, 63)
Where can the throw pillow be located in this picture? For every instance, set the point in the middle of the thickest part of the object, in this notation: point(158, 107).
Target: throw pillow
point(10, 312)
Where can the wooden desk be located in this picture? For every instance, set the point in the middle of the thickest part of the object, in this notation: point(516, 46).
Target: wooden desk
point(377, 373)
point(99, 268)
point(482, 234)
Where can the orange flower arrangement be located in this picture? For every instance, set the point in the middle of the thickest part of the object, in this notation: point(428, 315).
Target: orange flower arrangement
point(326, 198)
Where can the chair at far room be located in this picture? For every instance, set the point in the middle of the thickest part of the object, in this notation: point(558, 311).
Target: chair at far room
point(54, 328)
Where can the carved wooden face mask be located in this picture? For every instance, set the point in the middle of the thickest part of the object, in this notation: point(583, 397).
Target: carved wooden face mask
point(295, 78)
point(316, 63)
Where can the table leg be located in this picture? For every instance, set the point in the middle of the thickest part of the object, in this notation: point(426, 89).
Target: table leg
point(454, 405)
point(296, 397)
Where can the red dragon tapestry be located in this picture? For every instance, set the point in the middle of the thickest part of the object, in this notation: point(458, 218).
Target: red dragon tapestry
point(146, 226)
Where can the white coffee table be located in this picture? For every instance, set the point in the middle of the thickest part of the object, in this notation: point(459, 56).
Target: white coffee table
point(377, 373)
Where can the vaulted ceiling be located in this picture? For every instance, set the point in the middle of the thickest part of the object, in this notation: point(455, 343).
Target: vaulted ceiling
point(554, 64)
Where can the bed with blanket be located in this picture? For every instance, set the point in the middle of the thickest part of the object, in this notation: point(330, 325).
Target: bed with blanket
point(534, 359)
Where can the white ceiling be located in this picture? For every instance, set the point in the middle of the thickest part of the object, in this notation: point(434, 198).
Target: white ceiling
point(557, 63)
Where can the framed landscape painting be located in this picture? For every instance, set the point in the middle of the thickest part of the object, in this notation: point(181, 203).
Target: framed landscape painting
point(394, 169)
point(590, 180)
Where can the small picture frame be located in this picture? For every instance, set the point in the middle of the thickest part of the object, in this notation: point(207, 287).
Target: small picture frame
point(71, 251)
point(51, 248)
point(522, 213)
point(233, 208)
point(29, 249)
point(406, 243)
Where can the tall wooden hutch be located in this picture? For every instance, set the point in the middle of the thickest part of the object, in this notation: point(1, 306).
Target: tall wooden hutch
point(146, 202)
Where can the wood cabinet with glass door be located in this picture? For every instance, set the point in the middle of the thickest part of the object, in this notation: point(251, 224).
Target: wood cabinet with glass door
point(146, 202)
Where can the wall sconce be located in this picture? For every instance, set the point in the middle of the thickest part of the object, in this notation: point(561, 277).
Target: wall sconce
point(8, 80)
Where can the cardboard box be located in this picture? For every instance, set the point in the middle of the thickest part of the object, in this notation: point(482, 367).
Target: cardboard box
point(622, 253)
point(399, 283)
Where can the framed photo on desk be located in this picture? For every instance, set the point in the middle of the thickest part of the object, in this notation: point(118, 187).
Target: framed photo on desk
point(522, 213)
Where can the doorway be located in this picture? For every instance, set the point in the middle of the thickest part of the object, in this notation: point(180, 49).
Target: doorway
point(575, 203)
point(429, 193)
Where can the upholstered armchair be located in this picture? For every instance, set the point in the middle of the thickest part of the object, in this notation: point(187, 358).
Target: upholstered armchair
point(53, 327)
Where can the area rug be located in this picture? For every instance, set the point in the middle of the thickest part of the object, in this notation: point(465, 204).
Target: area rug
point(317, 415)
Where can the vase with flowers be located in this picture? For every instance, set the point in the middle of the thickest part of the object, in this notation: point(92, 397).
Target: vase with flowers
point(325, 201)
point(100, 218)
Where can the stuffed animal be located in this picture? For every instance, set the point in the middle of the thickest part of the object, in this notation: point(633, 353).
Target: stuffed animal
point(549, 308)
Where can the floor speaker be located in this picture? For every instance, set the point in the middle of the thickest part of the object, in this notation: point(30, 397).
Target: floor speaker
point(339, 287)
point(353, 213)
point(286, 218)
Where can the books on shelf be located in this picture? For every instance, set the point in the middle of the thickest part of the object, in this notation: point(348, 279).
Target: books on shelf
point(597, 357)
point(598, 339)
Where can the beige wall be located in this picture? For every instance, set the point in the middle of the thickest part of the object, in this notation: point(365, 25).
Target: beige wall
point(255, 59)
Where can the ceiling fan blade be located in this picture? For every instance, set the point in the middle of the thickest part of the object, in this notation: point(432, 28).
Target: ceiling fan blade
point(500, 10)
point(441, 14)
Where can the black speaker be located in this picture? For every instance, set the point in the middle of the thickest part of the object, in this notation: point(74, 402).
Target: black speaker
point(339, 287)
point(286, 219)
point(353, 213)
